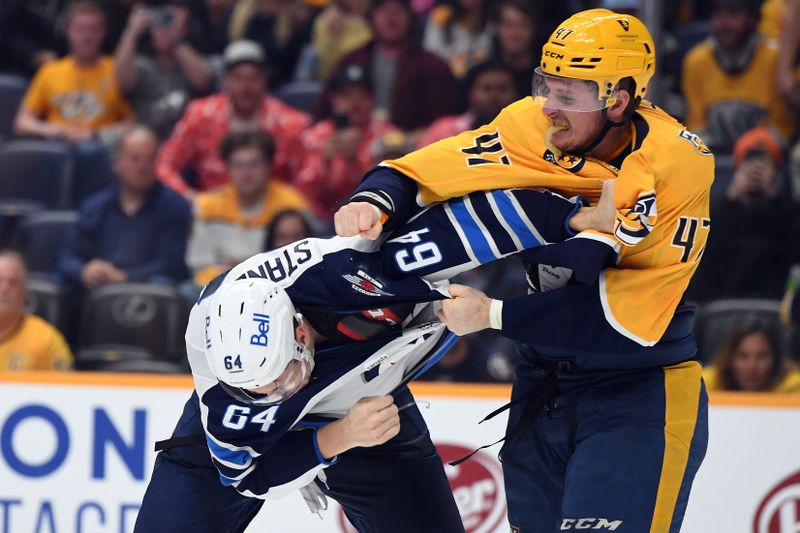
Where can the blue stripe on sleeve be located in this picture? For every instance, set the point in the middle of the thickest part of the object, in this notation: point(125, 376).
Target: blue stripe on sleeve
point(226, 481)
point(236, 457)
point(322, 460)
point(477, 241)
point(515, 222)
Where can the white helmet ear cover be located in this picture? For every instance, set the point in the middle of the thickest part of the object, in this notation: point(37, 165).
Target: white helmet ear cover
point(250, 333)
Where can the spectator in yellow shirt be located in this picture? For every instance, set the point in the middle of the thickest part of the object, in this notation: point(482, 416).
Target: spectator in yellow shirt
point(752, 360)
point(230, 222)
point(78, 95)
point(77, 99)
point(730, 80)
point(27, 342)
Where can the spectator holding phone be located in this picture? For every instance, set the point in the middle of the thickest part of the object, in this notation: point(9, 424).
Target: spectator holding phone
point(160, 84)
point(338, 151)
point(749, 256)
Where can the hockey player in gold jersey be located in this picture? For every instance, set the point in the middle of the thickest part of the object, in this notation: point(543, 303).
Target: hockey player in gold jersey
point(608, 420)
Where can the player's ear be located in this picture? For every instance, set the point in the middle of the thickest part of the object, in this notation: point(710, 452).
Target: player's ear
point(616, 113)
point(302, 333)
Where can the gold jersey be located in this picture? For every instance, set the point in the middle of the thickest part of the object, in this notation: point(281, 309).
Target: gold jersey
point(661, 193)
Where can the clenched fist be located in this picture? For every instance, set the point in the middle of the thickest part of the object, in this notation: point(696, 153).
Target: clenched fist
point(467, 311)
point(370, 422)
point(358, 218)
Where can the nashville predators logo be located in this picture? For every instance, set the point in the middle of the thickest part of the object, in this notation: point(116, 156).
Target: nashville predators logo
point(625, 24)
point(487, 150)
point(570, 162)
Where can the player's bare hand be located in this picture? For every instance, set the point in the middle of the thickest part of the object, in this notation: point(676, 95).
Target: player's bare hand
point(601, 217)
point(467, 311)
point(605, 214)
point(371, 421)
point(358, 218)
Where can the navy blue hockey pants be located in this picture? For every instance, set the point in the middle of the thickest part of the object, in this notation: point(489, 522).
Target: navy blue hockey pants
point(614, 451)
point(399, 486)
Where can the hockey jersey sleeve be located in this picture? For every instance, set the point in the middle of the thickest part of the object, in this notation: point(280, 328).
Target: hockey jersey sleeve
point(268, 458)
point(635, 198)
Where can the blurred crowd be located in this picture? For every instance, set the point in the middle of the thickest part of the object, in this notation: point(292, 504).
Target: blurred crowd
point(148, 146)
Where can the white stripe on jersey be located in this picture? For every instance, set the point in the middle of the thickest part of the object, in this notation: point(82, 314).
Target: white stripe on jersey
point(461, 235)
point(482, 227)
point(501, 219)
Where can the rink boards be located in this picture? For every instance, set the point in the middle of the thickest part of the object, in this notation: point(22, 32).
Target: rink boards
point(76, 451)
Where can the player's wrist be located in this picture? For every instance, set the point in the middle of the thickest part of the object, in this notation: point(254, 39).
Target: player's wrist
point(332, 440)
point(581, 220)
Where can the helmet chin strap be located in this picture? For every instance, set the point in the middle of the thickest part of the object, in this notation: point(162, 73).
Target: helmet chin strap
point(601, 135)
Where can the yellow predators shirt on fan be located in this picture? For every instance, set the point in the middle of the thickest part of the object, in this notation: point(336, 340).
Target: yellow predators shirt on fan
point(661, 193)
point(34, 345)
point(86, 98)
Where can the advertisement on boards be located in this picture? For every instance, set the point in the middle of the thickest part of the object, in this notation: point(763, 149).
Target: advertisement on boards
point(77, 457)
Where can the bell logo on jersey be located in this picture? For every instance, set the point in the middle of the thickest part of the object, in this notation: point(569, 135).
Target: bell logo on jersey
point(487, 150)
point(262, 323)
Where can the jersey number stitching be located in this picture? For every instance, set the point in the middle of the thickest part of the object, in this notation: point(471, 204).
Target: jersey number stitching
point(236, 417)
point(686, 236)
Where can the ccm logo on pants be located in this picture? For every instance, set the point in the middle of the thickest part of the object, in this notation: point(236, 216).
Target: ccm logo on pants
point(589, 523)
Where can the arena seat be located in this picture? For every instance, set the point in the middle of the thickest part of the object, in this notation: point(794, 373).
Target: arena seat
point(12, 91)
point(48, 300)
point(37, 170)
point(40, 236)
point(96, 358)
point(143, 366)
point(301, 95)
point(716, 319)
point(147, 316)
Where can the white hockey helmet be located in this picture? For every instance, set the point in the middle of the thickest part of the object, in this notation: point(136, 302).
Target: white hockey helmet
point(250, 342)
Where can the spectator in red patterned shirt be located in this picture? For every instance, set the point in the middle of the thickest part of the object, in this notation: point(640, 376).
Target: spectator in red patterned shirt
point(490, 87)
point(338, 151)
point(241, 106)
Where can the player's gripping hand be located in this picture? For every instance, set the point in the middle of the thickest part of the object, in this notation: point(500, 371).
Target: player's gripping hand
point(358, 218)
point(371, 421)
point(602, 217)
point(467, 311)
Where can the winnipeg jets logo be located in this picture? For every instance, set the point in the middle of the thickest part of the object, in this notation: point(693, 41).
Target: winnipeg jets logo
point(365, 284)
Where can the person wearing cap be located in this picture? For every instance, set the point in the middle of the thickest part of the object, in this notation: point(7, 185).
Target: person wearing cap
point(729, 81)
point(607, 381)
point(411, 86)
point(338, 151)
point(243, 105)
point(752, 256)
point(490, 88)
point(301, 357)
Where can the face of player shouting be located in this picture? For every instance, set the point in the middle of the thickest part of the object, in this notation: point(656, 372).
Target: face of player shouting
point(576, 113)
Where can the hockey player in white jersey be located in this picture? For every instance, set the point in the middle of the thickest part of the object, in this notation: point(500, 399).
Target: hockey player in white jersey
point(301, 357)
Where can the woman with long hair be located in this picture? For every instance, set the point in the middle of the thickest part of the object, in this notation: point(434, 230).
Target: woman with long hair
point(752, 360)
